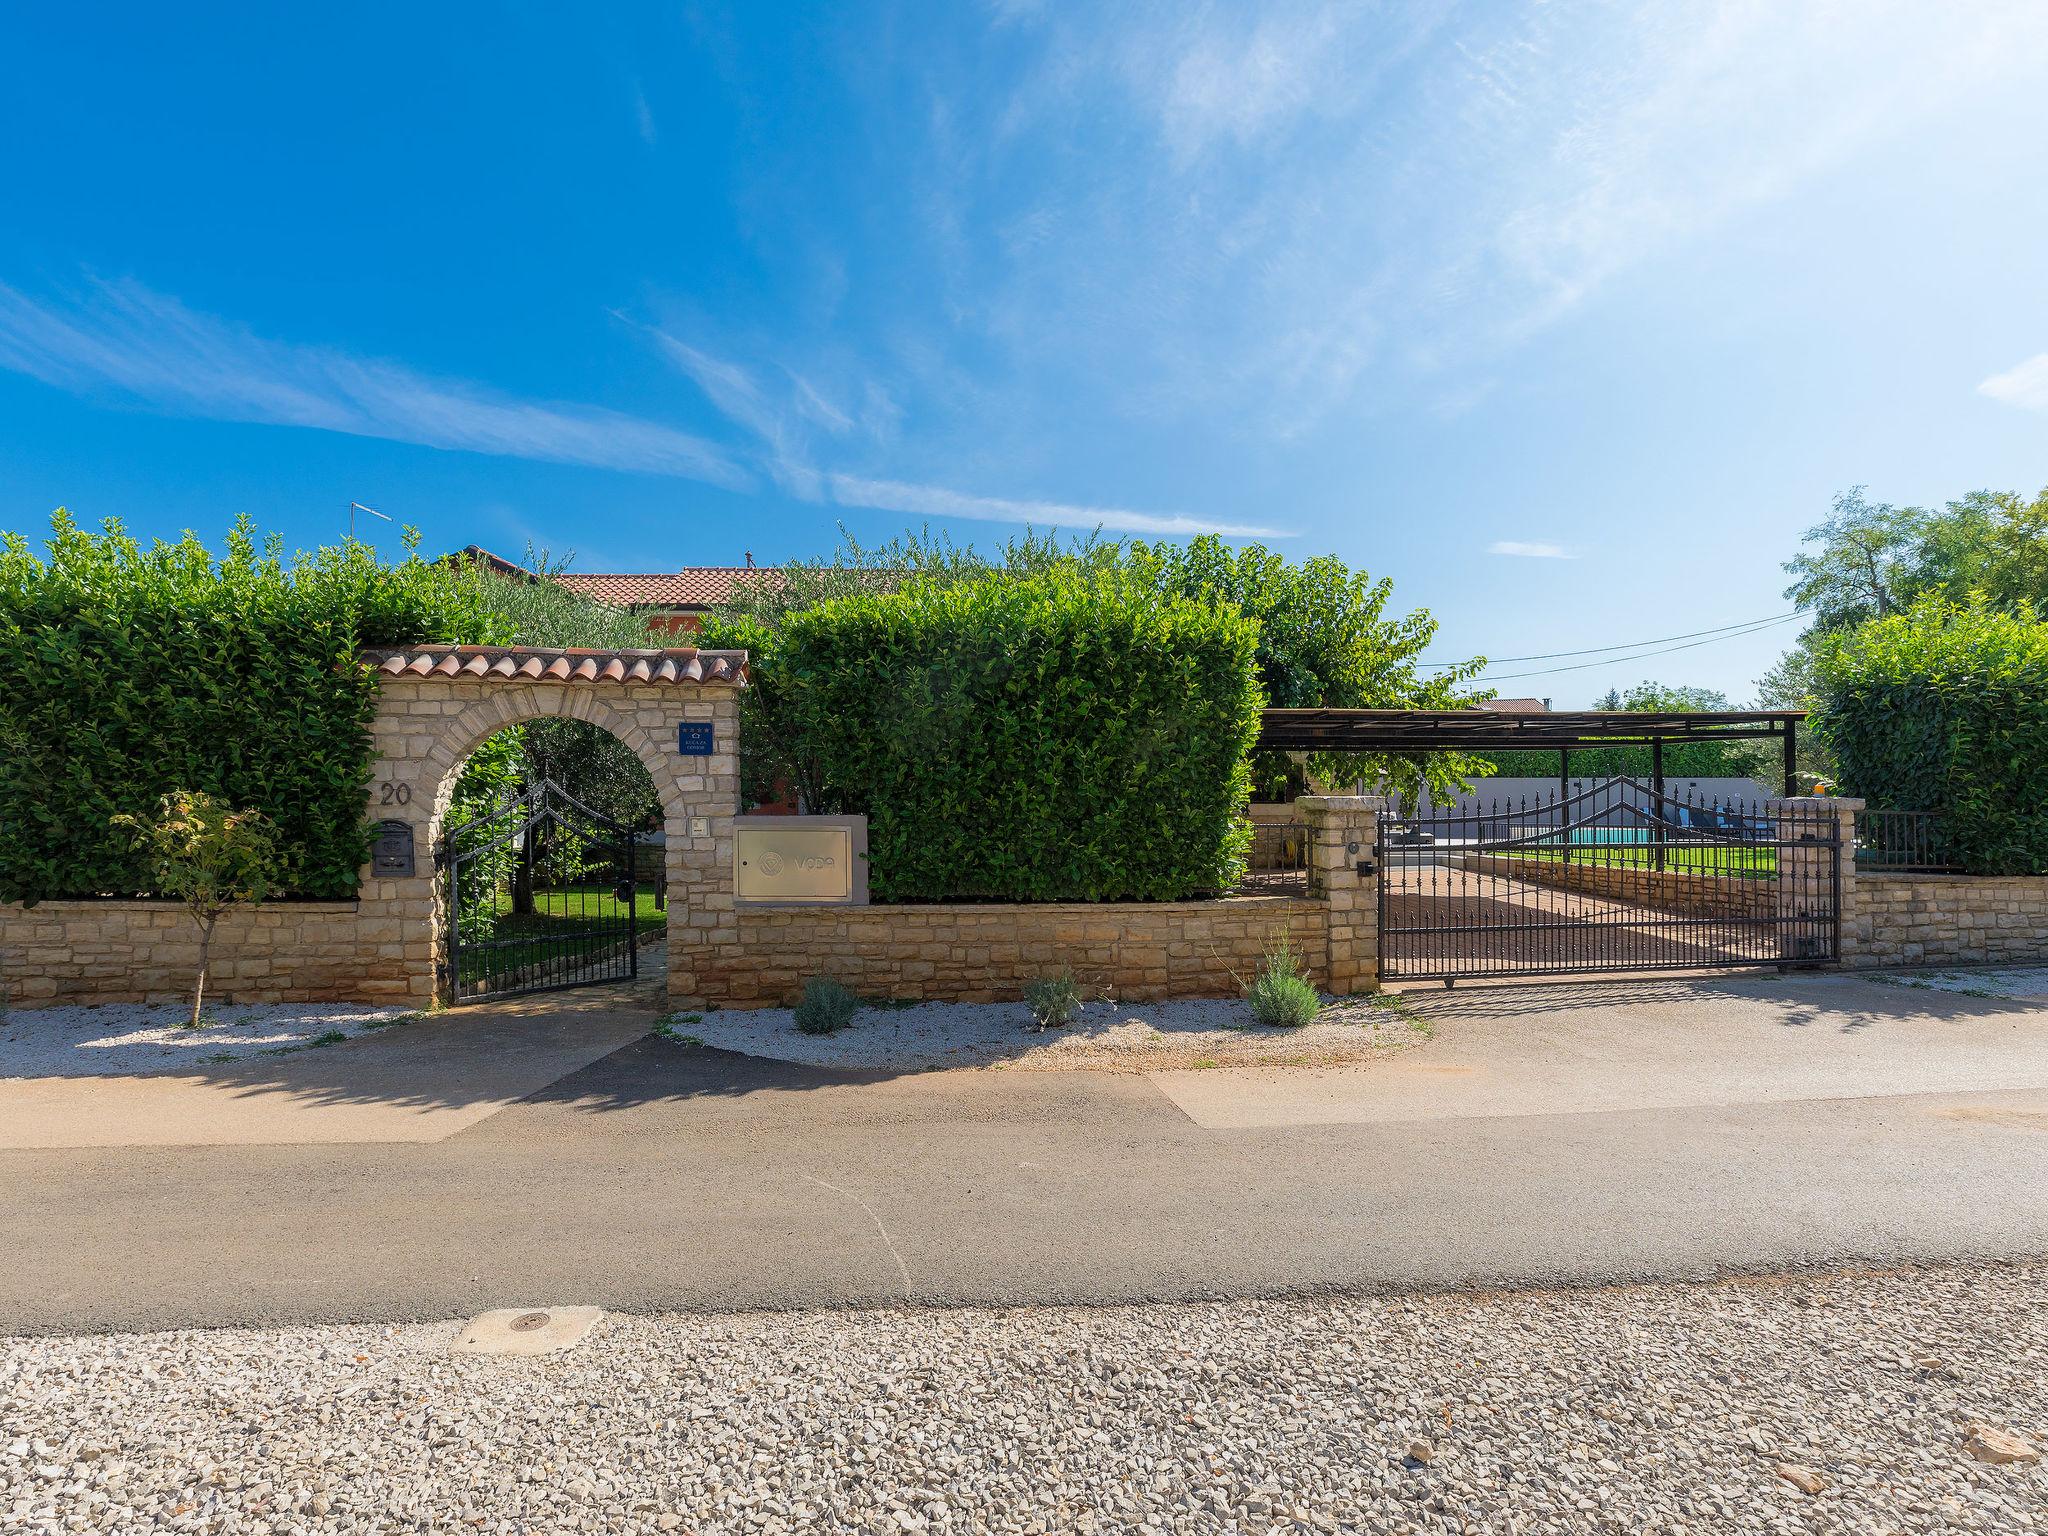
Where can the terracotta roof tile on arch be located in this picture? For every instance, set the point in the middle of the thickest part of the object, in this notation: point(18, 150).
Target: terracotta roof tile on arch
point(683, 667)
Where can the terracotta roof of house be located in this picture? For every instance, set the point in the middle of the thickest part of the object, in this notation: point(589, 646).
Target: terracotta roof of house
point(1516, 706)
point(694, 586)
point(550, 664)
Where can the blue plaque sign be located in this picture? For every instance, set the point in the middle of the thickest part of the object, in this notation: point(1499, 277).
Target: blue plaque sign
point(693, 738)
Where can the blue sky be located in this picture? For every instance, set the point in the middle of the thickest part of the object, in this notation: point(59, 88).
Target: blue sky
point(1566, 317)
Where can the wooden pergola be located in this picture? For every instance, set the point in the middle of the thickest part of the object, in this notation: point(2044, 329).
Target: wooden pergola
point(1562, 732)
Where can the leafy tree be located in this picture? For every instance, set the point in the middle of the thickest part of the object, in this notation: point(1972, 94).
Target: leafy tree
point(1867, 562)
point(1871, 560)
point(1326, 641)
point(1325, 638)
point(211, 858)
point(1993, 544)
point(1682, 760)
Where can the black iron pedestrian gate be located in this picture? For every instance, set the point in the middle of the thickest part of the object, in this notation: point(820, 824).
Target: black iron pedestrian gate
point(540, 894)
point(1615, 878)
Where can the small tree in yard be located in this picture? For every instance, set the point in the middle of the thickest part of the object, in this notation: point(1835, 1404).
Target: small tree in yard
point(211, 858)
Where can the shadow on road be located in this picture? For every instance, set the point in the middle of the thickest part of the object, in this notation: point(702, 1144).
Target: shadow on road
point(1839, 1000)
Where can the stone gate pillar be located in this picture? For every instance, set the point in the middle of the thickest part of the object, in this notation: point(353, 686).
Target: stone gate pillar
point(1343, 831)
point(1816, 870)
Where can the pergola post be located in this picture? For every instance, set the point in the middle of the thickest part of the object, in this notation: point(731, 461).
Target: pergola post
point(1657, 786)
point(1791, 757)
point(1564, 793)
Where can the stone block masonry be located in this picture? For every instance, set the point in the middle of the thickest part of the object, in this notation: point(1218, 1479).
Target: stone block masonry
point(1684, 892)
point(147, 951)
point(428, 724)
point(435, 706)
point(1947, 920)
point(987, 953)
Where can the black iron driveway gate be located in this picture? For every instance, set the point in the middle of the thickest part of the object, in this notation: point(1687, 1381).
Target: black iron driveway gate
point(1615, 878)
point(540, 894)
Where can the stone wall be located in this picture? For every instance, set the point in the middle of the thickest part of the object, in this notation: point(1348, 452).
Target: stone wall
point(1946, 920)
point(1669, 890)
point(984, 953)
point(147, 951)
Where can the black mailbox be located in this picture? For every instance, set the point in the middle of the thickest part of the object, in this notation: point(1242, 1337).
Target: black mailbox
point(391, 853)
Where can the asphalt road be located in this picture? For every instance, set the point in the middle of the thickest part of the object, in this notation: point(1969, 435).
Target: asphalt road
point(669, 1177)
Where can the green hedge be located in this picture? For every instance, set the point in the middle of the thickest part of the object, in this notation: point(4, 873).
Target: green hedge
point(127, 672)
point(1945, 709)
point(1063, 738)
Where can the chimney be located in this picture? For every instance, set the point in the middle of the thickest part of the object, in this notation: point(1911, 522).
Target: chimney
point(750, 559)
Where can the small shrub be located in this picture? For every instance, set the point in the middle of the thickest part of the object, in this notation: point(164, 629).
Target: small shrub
point(1054, 1001)
point(209, 856)
point(1279, 993)
point(825, 1007)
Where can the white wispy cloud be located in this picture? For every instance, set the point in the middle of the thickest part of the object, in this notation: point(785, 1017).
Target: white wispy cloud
point(1529, 551)
point(2025, 385)
point(123, 339)
point(1312, 201)
point(781, 416)
point(937, 501)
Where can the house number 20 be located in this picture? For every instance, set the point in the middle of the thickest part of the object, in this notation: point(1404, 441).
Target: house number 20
point(394, 794)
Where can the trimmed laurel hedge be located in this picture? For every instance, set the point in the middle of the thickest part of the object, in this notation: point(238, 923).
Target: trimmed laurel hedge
point(126, 673)
point(1945, 709)
point(1062, 738)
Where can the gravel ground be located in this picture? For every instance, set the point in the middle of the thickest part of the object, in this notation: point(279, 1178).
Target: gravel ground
point(1636, 1409)
point(2027, 982)
point(1136, 1037)
point(121, 1039)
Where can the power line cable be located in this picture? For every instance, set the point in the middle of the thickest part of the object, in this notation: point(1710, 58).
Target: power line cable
point(1626, 645)
point(1615, 661)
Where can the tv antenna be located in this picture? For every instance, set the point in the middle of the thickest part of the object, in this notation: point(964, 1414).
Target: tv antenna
point(356, 506)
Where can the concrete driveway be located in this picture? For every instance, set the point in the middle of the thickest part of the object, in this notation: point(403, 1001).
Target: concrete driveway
point(1548, 1132)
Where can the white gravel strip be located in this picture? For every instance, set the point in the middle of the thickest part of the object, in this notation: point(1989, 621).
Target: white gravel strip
point(1667, 1409)
point(1107, 1035)
point(2029, 982)
point(125, 1039)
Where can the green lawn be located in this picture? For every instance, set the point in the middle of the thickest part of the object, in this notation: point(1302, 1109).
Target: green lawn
point(556, 915)
point(1748, 863)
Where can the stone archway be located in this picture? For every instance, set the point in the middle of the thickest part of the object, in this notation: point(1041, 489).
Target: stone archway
point(676, 710)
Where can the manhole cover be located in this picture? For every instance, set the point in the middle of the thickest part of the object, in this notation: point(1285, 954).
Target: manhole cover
point(525, 1330)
